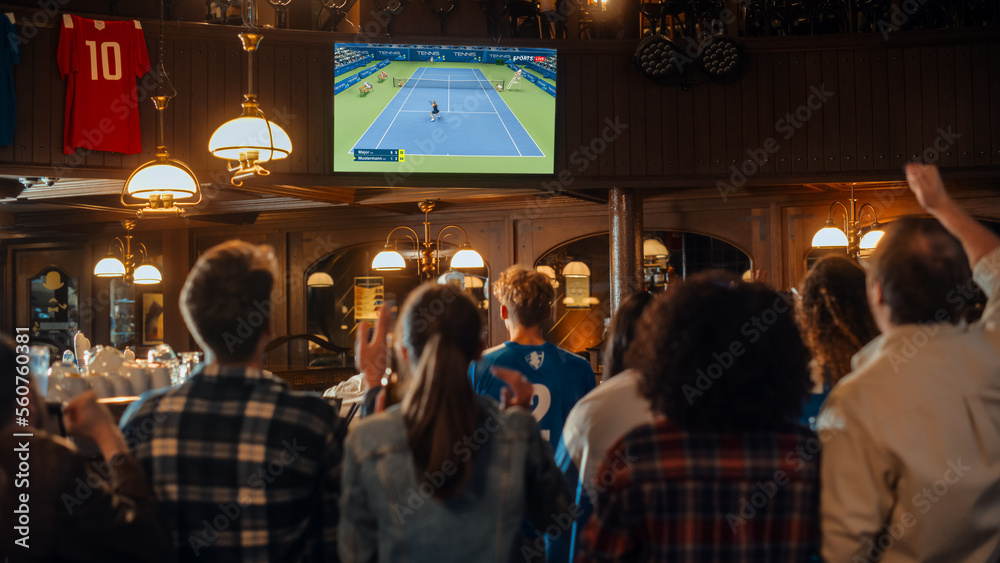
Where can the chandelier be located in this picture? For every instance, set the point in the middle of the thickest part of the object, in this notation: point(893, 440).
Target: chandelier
point(430, 251)
point(831, 236)
point(128, 267)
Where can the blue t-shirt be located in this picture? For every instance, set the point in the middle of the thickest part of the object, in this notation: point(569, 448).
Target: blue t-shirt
point(559, 378)
point(10, 55)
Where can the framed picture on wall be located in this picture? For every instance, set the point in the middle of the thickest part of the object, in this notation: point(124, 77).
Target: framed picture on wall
point(151, 321)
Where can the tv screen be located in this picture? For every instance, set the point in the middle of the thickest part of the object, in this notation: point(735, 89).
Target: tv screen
point(406, 109)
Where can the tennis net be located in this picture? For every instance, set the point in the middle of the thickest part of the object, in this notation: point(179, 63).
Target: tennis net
point(480, 84)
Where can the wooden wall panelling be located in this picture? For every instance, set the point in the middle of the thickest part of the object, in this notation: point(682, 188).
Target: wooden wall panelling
point(863, 117)
point(569, 135)
point(945, 89)
point(640, 121)
point(780, 99)
point(814, 126)
point(760, 248)
point(914, 105)
point(717, 131)
point(180, 107)
point(930, 115)
point(177, 262)
point(981, 103)
point(881, 115)
point(25, 76)
point(661, 134)
point(764, 96)
point(42, 87)
point(897, 111)
point(605, 163)
point(319, 76)
point(689, 148)
point(295, 309)
point(848, 125)
point(588, 94)
point(748, 110)
point(733, 128)
point(281, 102)
point(279, 297)
point(965, 116)
point(619, 150)
point(298, 105)
point(702, 118)
point(833, 128)
point(799, 141)
point(193, 88)
point(994, 82)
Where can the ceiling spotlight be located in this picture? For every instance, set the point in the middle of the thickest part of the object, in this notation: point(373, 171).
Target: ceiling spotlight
point(722, 59)
point(657, 58)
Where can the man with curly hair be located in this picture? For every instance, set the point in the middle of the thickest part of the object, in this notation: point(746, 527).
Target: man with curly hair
point(911, 438)
point(724, 473)
point(559, 378)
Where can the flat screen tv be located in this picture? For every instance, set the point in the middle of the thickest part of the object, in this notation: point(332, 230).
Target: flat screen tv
point(411, 109)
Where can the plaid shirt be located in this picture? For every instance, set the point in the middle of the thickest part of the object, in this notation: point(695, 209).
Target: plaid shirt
point(664, 494)
point(244, 468)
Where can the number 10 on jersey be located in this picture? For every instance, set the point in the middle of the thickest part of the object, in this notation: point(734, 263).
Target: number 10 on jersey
point(111, 56)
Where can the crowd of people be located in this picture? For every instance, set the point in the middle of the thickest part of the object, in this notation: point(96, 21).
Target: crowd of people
point(344, 56)
point(694, 448)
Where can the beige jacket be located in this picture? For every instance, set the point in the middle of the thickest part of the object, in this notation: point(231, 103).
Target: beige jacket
point(911, 443)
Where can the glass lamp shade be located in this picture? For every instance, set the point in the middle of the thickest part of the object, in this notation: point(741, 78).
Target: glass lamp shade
point(652, 248)
point(147, 275)
point(109, 268)
point(237, 137)
point(871, 238)
point(319, 279)
point(467, 258)
point(576, 270)
point(388, 260)
point(159, 178)
point(829, 237)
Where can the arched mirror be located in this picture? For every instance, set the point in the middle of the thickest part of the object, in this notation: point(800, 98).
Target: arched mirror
point(342, 290)
point(580, 272)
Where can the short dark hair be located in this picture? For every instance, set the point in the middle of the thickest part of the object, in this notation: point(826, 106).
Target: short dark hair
point(527, 294)
point(621, 332)
point(920, 266)
point(721, 355)
point(8, 370)
point(226, 301)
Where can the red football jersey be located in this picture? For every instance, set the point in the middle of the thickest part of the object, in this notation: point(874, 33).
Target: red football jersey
point(100, 61)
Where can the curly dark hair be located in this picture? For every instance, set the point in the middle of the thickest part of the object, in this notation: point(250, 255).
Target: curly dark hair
point(834, 315)
point(721, 355)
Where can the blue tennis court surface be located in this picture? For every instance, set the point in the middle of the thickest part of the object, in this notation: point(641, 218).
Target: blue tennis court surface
point(474, 119)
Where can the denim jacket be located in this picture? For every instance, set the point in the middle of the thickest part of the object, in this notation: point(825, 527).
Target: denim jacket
point(389, 514)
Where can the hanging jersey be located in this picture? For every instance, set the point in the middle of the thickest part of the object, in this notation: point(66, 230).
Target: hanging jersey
point(559, 379)
point(10, 54)
point(100, 61)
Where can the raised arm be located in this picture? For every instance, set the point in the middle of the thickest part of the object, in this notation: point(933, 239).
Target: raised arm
point(926, 183)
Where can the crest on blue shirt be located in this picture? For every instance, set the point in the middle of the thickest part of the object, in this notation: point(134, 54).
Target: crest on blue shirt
point(535, 359)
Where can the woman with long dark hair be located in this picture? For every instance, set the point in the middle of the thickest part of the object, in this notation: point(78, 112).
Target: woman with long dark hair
point(444, 475)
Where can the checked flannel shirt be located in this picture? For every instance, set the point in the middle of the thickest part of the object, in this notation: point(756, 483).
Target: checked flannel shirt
point(666, 494)
point(244, 468)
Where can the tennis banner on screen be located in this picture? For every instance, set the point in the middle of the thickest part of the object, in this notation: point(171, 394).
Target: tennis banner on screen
point(448, 54)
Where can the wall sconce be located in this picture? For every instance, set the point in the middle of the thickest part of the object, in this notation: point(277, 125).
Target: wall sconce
point(142, 273)
point(830, 236)
point(430, 255)
point(577, 277)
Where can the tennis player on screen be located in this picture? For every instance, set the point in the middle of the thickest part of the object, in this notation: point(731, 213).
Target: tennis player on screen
point(434, 109)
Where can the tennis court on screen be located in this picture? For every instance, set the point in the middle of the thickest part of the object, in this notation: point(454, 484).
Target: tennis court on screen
point(474, 119)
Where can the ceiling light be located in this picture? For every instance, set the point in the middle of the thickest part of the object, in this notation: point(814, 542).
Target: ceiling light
point(429, 250)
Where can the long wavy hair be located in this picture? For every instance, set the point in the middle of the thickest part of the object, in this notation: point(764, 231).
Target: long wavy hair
point(440, 327)
point(833, 314)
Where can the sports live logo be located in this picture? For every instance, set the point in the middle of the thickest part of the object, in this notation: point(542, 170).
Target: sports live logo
point(537, 59)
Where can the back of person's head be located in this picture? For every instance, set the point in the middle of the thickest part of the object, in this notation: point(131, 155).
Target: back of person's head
point(833, 313)
point(226, 301)
point(526, 294)
point(721, 355)
point(8, 372)
point(621, 332)
point(440, 326)
point(920, 266)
